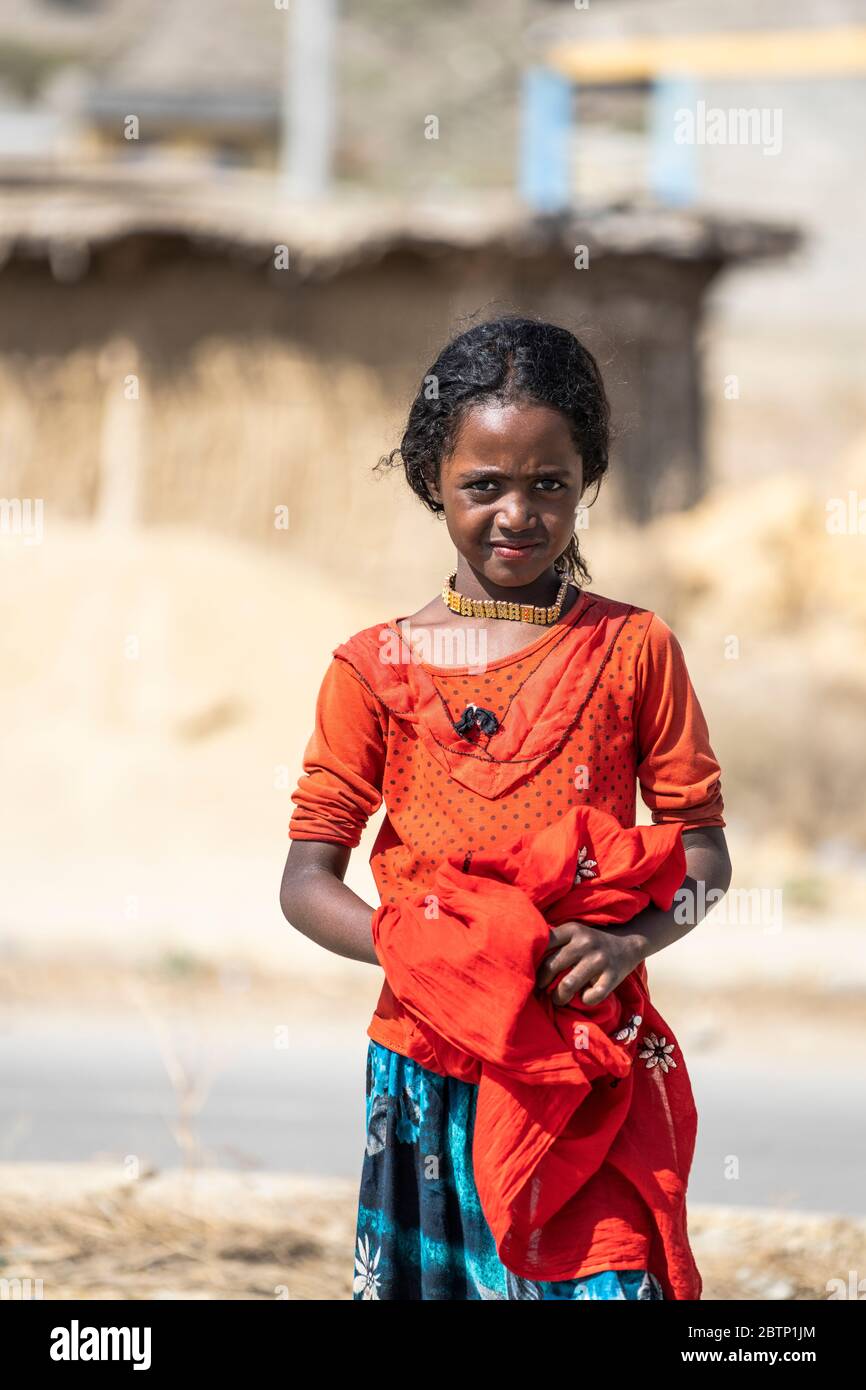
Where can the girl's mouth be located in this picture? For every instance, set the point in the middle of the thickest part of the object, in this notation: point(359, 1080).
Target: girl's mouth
point(514, 552)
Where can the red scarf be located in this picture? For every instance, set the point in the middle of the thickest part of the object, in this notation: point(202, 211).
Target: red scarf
point(561, 1089)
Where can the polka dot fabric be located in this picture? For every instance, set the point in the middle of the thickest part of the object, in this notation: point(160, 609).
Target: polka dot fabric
point(593, 708)
point(594, 768)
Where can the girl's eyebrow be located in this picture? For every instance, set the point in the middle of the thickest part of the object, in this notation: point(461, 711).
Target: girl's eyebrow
point(491, 471)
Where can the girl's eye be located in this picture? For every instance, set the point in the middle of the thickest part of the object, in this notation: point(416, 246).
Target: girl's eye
point(482, 484)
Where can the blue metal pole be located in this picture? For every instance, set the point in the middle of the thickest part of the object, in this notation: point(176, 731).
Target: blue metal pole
point(673, 166)
point(544, 179)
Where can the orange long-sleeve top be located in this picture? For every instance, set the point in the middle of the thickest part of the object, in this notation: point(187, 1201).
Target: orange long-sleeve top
point(598, 705)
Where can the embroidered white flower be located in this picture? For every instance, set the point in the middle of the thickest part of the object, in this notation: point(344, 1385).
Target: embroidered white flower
point(629, 1032)
point(366, 1281)
point(585, 866)
point(657, 1051)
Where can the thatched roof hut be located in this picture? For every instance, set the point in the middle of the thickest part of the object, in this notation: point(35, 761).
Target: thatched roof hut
point(207, 352)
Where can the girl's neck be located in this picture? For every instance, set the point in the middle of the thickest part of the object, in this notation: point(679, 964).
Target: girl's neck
point(541, 592)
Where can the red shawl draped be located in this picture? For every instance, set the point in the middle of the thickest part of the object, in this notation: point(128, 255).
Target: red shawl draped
point(561, 1089)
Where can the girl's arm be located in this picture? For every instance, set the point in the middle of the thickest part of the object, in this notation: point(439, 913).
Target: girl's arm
point(599, 958)
point(317, 903)
point(340, 788)
point(708, 877)
point(680, 780)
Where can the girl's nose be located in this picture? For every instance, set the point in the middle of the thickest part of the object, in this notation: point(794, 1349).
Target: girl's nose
point(516, 517)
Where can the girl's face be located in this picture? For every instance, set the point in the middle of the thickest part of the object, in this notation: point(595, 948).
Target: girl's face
point(511, 490)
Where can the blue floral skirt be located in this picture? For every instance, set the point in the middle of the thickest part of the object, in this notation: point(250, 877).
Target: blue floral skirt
point(421, 1232)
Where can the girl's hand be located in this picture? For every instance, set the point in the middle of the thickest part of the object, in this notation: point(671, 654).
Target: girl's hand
point(600, 961)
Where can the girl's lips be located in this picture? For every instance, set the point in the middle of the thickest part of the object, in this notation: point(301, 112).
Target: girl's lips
point(514, 552)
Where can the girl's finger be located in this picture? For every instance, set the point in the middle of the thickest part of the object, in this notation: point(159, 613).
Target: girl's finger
point(556, 961)
point(559, 935)
point(577, 979)
point(599, 989)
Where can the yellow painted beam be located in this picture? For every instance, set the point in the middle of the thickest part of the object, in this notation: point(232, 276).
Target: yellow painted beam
point(838, 51)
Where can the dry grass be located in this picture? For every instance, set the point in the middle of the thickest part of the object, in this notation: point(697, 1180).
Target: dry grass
point(87, 1233)
point(179, 1235)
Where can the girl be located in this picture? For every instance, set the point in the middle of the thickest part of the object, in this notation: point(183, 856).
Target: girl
point(523, 694)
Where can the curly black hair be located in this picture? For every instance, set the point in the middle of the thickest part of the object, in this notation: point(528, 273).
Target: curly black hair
point(510, 360)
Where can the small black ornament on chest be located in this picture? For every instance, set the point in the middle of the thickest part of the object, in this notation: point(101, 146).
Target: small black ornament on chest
point(474, 717)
